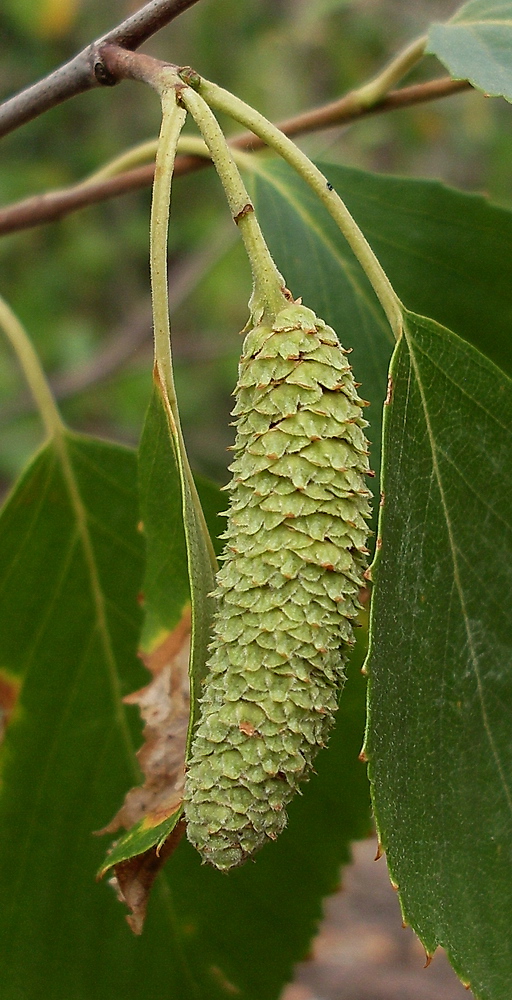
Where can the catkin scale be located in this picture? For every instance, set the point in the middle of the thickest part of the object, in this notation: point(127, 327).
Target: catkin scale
point(287, 592)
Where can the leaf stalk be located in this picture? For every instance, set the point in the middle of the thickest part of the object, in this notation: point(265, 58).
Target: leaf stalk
point(173, 119)
point(32, 370)
point(373, 91)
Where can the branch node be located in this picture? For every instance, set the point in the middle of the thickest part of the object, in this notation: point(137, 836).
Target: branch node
point(190, 77)
point(102, 73)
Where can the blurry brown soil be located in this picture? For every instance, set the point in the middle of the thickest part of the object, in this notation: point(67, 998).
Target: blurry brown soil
point(362, 952)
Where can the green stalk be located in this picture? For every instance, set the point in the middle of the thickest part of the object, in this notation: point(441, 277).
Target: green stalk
point(173, 119)
point(222, 100)
point(372, 92)
point(32, 370)
point(143, 153)
point(268, 298)
point(59, 436)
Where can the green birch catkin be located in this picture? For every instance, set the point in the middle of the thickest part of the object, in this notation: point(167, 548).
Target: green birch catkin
point(287, 593)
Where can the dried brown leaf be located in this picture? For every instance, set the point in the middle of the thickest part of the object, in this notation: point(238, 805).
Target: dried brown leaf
point(164, 705)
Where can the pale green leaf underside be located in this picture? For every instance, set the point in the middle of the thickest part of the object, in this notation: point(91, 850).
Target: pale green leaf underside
point(476, 45)
point(440, 664)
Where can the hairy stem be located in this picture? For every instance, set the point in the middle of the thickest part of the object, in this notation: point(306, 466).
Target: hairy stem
point(243, 113)
point(32, 370)
point(173, 119)
point(268, 283)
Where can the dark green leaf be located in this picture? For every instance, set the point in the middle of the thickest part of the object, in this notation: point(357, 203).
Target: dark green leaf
point(448, 254)
point(440, 666)
point(68, 758)
point(213, 502)
point(69, 621)
point(476, 45)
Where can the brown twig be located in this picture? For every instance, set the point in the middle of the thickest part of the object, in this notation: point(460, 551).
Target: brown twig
point(55, 204)
point(87, 69)
point(347, 108)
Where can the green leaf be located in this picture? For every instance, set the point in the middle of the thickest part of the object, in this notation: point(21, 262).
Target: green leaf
point(166, 587)
point(440, 664)
point(68, 757)
point(200, 557)
point(69, 620)
point(476, 45)
point(168, 455)
point(447, 254)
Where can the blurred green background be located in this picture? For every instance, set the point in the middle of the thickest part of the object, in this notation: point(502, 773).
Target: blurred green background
point(81, 284)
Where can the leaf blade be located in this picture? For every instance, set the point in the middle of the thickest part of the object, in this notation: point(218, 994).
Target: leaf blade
point(476, 45)
point(64, 925)
point(437, 743)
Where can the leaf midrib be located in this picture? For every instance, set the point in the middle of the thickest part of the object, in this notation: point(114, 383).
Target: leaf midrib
point(61, 441)
point(483, 21)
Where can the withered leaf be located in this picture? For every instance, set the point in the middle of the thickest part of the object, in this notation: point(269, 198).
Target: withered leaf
point(164, 705)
